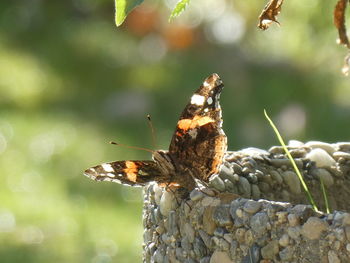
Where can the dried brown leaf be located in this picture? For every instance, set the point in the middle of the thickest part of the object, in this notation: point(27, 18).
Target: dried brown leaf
point(339, 22)
point(269, 13)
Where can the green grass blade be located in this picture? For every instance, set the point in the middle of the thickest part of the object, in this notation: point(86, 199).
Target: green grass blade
point(123, 8)
point(179, 8)
point(325, 196)
point(311, 200)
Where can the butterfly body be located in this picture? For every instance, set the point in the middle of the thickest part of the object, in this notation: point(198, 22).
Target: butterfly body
point(195, 153)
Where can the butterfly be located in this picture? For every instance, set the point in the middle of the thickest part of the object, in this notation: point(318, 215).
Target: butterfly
point(195, 153)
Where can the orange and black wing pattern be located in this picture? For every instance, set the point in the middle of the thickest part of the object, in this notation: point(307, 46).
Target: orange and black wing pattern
point(199, 142)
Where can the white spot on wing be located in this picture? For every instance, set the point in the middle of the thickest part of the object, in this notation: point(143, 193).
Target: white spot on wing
point(210, 100)
point(197, 99)
point(206, 84)
point(107, 167)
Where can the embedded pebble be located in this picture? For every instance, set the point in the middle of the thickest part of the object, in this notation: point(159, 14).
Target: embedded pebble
point(270, 250)
point(251, 206)
point(276, 176)
point(294, 232)
point(321, 158)
point(222, 215)
point(167, 203)
point(158, 191)
point(284, 240)
point(344, 155)
point(259, 222)
point(217, 183)
point(293, 219)
point(255, 192)
point(324, 175)
point(292, 180)
point(313, 228)
point(236, 168)
point(226, 172)
point(329, 148)
point(196, 195)
point(220, 257)
point(333, 257)
point(286, 254)
point(244, 187)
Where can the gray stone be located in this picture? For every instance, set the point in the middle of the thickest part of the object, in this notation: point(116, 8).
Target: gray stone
point(313, 228)
point(236, 168)
point(196, 195)
point(219, 232)
point(228, 237)
point(204, 260)
point(189, 232)
point(259, 222)
point(286, 254)
point(276, 177)
point(255, 192)
point(226, 172)
point(229, 186)
point(253, 255)
point(172, 224)
point(294, 232)
point(233, 248)
point(249, 237)
point(244, 187)
point(222, 216)
point(346, 219)
point(270, 250)
point(199, 248)
point(252, 207)
point(333, 257)
point(293, 219)
point(236, 204)
point(185, 244)
point(292, 180)
point(252, 178)
point(284, 240)
point(220, 257)
point(265, 187)
point(216, 182)
point(205, 237)
point(326, 176)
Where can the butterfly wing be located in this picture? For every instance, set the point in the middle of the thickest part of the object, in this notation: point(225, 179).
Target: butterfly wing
point(199, 142)
point(133, 173)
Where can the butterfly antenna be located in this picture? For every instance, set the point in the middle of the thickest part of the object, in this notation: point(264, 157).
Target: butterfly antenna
point(150, 124)
point(132, 147)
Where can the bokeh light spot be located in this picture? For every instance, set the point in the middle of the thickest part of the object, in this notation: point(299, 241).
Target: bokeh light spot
point(292, 120)
point(7, 221)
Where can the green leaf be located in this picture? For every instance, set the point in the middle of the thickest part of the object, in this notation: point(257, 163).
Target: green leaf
point(123, 8)
point(179, 8)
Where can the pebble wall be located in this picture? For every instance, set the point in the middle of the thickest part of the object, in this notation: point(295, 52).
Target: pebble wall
point(255, 210)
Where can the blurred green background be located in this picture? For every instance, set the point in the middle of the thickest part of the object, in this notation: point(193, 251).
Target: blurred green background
point(70, 81)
